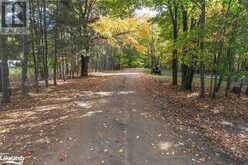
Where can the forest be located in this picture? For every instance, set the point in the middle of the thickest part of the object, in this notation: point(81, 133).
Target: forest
point(200, 46)
point(66, 39)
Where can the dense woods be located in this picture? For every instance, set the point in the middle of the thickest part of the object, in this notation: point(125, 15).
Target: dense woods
point(124, 82)
point(205, 39)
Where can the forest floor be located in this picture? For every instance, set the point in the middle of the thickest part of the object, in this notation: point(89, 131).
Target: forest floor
point(124, 118)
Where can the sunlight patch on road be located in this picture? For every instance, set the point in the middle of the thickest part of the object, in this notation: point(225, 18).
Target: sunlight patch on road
point(195, 94)
point(165, 146)
point(47, 108)
point(91, 113)
point(126, 92)
point(86, 105)
point(6, 130)
point(106, 94)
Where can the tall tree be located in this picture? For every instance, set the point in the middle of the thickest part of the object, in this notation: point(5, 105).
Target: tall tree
point(56, 45)
point(173, 7)
point(202, 65)
point(24, 60)
point(218, 71)
point(45, 41)
point(34, 40)
point(184, 67)
point(5, 71)
point(0, 76)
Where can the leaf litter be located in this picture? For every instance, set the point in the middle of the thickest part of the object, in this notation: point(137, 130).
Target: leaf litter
point(31, 125)
point(220, 122)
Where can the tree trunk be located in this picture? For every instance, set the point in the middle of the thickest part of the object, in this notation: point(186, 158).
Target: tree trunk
point(40, 39)
point(63, 68)
point(219, 83)
point(228, 85)
point(55, 46)
point(5, 81)
point(202, 77)
point(202, 65)
point(184, 67)
point(5, 73)
point(45, 43)
point(189, 78)
point(84, 66)
point(174, 62)
point(241, 86)
point(246, 91)
point(67, 69)
point(229, 76)
point(24, 61)
point(211, 84)
point(219, 71)
point(0, 76)
point(32, 21)
point(230, 57)
point(173, 9)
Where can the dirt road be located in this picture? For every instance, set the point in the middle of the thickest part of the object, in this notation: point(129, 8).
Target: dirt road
point(119, 127)
point(116, 123)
